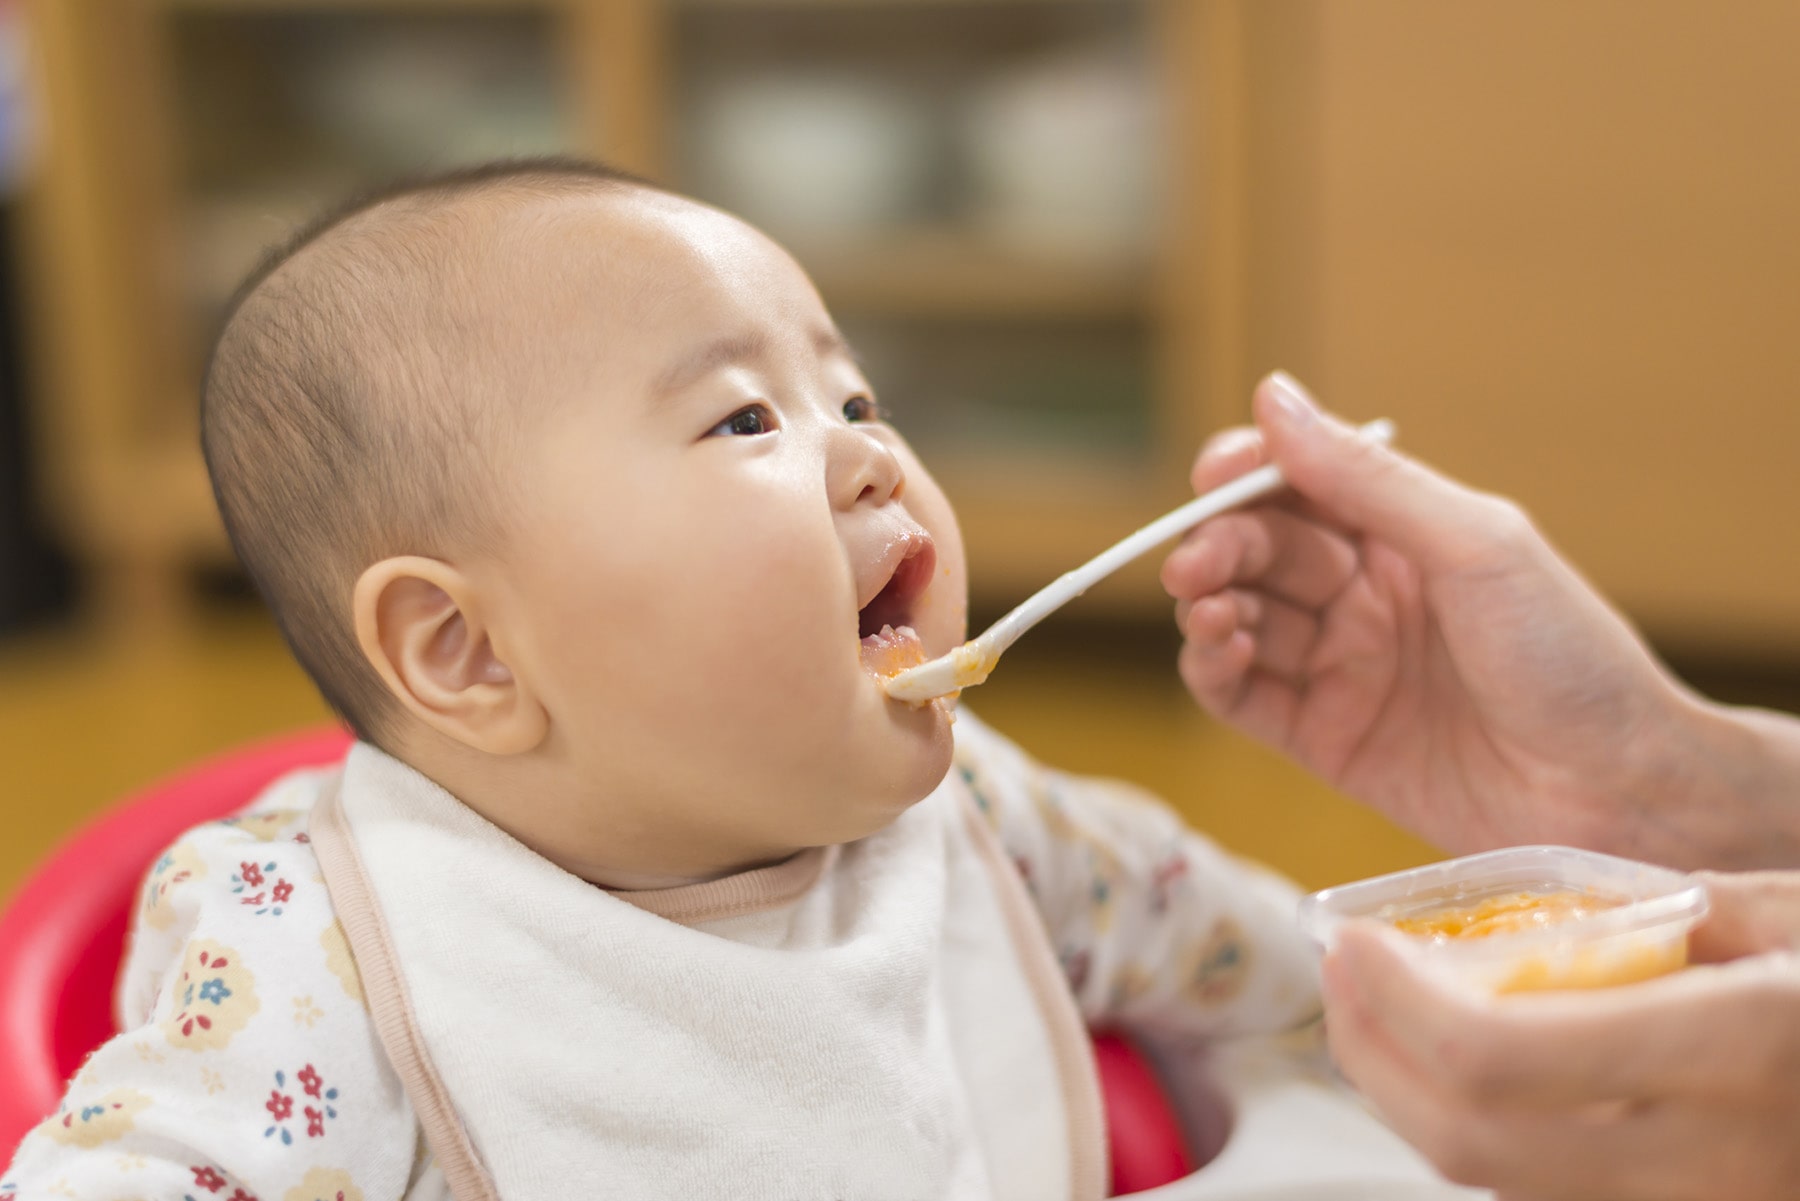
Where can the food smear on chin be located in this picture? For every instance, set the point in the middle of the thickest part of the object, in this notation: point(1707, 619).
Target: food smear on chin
point(892, 651)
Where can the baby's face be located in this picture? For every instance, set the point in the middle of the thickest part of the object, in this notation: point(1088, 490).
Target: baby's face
point(713, 515)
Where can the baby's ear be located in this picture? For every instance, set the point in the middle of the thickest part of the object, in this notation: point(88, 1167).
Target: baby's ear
point(421, 624)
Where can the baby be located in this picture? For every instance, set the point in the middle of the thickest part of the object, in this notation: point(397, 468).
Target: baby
point(573, 501)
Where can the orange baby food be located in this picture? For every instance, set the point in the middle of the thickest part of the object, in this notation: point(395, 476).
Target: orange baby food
point(1596, 968)
point(1507, 914)
point(892, 651)
point(1608, 961)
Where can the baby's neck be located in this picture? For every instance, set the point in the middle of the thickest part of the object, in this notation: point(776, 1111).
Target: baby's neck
point(648, 882)
point(632, 858)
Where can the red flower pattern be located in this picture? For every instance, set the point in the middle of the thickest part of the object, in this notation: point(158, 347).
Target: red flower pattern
point(207, 1178)
point(250, 873)
point(279, 1104)
point(281, 892)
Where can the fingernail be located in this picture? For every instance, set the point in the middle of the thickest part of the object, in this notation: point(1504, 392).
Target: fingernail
point(1293, 401)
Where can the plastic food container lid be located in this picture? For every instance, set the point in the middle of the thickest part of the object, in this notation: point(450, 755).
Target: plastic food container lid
point(1642, 933)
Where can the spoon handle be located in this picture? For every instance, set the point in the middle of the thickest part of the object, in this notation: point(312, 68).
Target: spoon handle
point(1253, 485)
point(970, 663)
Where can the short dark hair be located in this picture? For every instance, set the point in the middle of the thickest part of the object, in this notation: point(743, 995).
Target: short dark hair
point(337, 417)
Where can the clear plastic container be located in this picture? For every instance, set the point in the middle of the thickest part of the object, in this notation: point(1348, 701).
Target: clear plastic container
point(1527, 918)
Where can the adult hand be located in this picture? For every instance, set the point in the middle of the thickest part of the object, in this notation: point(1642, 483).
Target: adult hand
point(1684, 1087)
point(1420, 646)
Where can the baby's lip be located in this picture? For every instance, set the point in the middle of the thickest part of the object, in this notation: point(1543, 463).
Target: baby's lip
point(895, 580)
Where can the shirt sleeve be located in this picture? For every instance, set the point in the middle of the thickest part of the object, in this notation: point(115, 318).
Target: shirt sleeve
point(1156, 927)
point(248, 1068)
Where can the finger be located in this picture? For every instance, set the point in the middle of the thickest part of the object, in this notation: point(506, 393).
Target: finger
point(1300, 560)
point(1230, 688)
point(1283, 636)
point(1211, 620)
point(1403, 1094)
point(1750, 912)
point(1227, 455)
point(1376, 490)
point(1216, 655)
point(1699, 1031)
point(1237, 451)
point(1546, 1152)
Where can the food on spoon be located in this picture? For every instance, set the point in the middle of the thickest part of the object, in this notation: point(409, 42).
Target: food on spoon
point(974, 662)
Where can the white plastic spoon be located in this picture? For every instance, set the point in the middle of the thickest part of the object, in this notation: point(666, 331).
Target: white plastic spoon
point(972, 662)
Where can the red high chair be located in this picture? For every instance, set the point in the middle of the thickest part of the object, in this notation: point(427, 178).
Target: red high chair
point(62, 937)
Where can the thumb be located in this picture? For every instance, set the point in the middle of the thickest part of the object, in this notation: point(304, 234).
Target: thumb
point(1368, 487)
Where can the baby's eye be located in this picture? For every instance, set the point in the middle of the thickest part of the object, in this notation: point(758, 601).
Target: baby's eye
point(863, 408)
point(746, 422)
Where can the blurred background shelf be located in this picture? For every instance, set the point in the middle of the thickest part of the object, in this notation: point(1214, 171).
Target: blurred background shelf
point(946, 272)
point(978, 187)
point(1065, 234)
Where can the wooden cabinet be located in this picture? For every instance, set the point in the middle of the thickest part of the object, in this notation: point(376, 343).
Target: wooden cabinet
point(1009, 204)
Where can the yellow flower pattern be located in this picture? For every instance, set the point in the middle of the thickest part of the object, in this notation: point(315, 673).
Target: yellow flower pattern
point(322, 1184)
point(341, 963)
point(179, 865)
point(98, 1122)
point(1220, 966)
point(214, 997)
point(265, 827)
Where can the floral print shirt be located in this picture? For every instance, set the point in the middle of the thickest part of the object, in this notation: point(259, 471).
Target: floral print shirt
point(249, 1069)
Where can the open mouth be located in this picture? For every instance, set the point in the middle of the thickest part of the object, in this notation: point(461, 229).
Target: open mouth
point(884, 624)
point(893, 604)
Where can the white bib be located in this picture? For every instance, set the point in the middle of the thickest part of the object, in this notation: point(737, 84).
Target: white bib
point(882, 1020)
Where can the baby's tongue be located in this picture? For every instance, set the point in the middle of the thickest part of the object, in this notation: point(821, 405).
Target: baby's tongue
point(892, 651)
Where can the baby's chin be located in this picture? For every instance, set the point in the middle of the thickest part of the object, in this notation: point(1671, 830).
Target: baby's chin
point(899, 765)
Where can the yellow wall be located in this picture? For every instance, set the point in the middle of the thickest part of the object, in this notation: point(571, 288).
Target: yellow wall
point(1558, 243)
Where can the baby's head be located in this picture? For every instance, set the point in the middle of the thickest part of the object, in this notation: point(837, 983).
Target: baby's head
point(567, 491)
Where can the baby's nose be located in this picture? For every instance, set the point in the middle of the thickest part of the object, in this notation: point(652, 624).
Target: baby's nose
point(864, 471)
